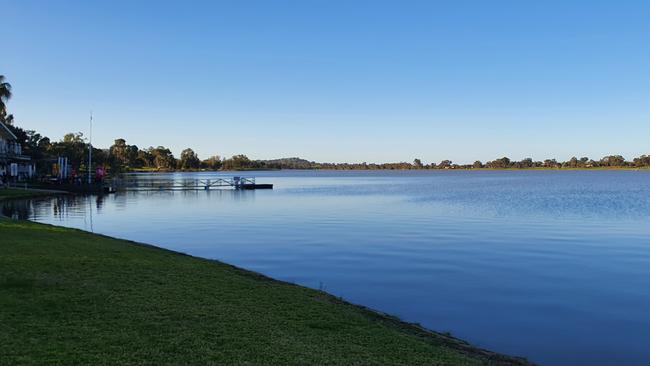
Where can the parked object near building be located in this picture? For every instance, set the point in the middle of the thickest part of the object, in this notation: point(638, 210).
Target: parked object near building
point(13, 163)
point(62, 168)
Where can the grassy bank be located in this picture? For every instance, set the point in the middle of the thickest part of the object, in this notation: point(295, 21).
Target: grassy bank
point(72, 297)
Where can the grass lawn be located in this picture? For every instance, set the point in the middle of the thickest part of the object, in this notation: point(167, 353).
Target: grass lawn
point(72, 297)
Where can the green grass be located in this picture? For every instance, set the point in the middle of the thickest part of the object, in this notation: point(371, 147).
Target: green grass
point(72, 297)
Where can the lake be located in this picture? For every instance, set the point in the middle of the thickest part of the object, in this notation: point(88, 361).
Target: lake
point(551, 265)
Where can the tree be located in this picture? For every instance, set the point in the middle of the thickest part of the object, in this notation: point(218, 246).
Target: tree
point(573, 162)
point(36, 145)
point(417, 163)
point(123, 155)
point(612, 160)
point(162, 158)
point(118, 154)
point(73, 147)
point(189, 160)
point(445, 164)
point(502, 163)
point(551, 163)
point(642, 161)
point(144, 158)
point(5, 95)
point(237, 162)
point(212, 163)
point(477, 165)
point(132, 156)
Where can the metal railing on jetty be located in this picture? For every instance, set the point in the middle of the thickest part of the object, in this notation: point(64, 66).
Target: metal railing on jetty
point(182, 184)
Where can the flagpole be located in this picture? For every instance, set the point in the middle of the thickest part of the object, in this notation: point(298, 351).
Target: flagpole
point(90, 149)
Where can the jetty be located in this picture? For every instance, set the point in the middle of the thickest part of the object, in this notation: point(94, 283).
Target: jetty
point(141, 183)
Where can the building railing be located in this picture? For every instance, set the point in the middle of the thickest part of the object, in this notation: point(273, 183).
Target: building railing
point(11, 155)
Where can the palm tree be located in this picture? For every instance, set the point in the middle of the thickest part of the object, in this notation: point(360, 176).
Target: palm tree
point(5, 94)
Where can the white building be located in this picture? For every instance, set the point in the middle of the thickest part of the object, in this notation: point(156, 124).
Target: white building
point(12, 161)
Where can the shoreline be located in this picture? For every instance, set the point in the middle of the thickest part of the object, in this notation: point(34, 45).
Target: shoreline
point(372, 317)
point(16, 193)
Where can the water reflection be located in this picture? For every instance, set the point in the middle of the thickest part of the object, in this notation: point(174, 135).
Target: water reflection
point(19, 209)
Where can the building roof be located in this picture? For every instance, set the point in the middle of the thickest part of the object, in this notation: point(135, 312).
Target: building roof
point(6, 132)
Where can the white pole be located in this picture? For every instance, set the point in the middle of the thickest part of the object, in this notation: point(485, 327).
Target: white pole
point(90, 149)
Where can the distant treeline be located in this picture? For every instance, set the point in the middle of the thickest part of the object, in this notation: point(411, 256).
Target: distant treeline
point(611, 161)
point(121, 157)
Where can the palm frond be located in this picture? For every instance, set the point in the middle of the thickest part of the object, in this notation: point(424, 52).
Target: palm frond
point(5, 91)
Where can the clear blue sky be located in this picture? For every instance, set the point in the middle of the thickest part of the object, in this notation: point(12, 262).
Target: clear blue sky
point(337, 80)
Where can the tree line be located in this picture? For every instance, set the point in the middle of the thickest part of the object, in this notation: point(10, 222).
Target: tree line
point(120, 156)
point(610, 161)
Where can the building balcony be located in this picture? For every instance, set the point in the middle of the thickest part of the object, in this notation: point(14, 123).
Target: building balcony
point(5, 155)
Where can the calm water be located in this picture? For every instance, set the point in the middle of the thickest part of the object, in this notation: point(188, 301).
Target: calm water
point(554, 266)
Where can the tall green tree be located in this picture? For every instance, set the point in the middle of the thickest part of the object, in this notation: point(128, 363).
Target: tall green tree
point(144, 159)
point(74, 147)
point(162, 158)
point(189, 160)
point(35, 145)
point(123, 155)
